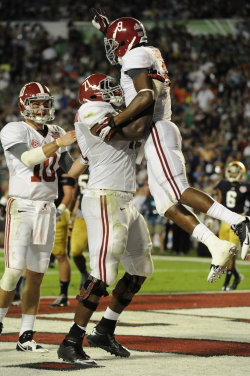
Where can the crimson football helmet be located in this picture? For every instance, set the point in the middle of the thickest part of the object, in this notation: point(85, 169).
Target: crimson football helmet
point(102, 88)
point(235, 171)
point(33, 92)
point(123, 34)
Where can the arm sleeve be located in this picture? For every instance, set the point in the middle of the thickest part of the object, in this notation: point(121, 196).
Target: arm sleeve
point(65, 161)
point(133, 73)
point(18, 149)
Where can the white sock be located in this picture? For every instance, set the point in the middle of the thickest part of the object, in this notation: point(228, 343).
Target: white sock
point(220, 212)
point(201, 233)
point(28, 322)
point(111, 315)
point(3, 312)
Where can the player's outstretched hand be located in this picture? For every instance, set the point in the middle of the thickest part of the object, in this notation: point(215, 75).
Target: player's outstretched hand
point(100, 21)
point(107, 129)
point(68, 139)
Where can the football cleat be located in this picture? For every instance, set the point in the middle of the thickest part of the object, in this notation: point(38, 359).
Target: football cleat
point(107, 342)
point(73, 353)
point(220, 259)
point(242, 230)
point(236, 281)
point(225, 288)
point(26, 343)
point(61, 301)
point(1, 327)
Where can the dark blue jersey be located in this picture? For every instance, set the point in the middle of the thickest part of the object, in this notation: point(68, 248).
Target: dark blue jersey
point(235, 195)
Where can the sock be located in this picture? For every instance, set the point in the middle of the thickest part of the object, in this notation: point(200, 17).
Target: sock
point(220, 212)
point(235, 272)
point(228, 277)
point(76, 333)
point(201, 233)
point(3, 312)
point(20, 285)
point(28, 322)
point(64, 286)
point(111, 315)
point(106, 326)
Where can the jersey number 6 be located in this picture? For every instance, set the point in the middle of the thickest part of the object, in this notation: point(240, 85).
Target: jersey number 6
point(49, 163)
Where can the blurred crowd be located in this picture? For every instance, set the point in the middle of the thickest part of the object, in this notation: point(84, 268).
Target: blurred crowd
point(210, 74)
point(78, 10)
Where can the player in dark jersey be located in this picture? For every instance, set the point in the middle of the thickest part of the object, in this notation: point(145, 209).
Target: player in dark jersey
point(60, 249)
point(233, 193)
point(79, 237)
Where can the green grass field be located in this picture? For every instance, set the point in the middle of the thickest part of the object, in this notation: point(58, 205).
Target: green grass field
point(172, 274)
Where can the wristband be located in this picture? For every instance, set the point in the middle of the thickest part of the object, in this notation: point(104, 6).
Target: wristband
point(61, 207)
point(59, 142)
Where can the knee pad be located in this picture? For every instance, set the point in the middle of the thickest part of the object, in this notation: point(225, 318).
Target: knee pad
point(10, 279)
point(127, 287)
point(92, 286)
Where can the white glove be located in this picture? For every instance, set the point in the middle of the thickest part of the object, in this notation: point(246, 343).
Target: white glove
point(60, 209)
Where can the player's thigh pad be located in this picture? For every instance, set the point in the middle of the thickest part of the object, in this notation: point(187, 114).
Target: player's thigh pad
point(61, 236)
point(10, 279)
point(79, 237)
point(165, 160)
point(107, 218)
point(38, 255)
point(137, 258)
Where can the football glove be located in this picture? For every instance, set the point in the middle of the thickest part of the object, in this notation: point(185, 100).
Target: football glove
point(107, 129)
point(60, 209)
point(156, 76)
point(100, 21)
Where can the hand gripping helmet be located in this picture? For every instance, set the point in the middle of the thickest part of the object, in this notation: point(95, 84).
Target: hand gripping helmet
point(235, 171)
point(123, 34)
point(32, 92)
point(102, 88)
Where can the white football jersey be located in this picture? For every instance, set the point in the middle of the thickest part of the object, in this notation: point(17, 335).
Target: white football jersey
point(40, 181)
point(111, 164)
point(147, 57)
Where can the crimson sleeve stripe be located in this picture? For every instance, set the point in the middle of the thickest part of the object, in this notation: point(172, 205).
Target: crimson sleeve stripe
point(162, 157)
point(7, 232)
point(107, 238)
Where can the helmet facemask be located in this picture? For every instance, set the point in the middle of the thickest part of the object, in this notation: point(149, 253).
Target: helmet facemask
point(111, 91)
point(110, 47)
point(47, 113)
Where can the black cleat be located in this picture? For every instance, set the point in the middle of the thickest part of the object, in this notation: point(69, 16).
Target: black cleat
point(73, 353)
point(61, 301)
point(1, 327)
point(236, 281)
point(107, 342)
point(242, 230)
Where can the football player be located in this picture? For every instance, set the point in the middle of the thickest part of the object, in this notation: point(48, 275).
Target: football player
point(33, 151)
point(145, 82)
point(79, 236)
point(232, 193)
point(117, 232)
point(60, 248)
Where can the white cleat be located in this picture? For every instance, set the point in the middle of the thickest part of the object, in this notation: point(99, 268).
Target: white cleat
point(220, 259)
point(242, 230)
point(27, 344)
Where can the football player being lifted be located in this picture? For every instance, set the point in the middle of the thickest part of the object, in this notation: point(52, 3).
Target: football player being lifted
point(233, 192)
point(145, 82)
point(33, 151)
point(117, 232)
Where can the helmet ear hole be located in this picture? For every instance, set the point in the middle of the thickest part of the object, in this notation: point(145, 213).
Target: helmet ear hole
point(122, 43)
point(93, 96)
